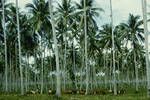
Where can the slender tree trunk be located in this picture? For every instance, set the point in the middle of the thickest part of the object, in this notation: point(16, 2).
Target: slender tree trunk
point(5, 41)
point(136, 73)
point(16, 68)
point(10, 73)
point(19, 45)
point(82, 66)
point(65, 35)
point(110, 75)
point(65, 61)
point(105, 70)
point(113, 50)
point(26, 73)
point(74, 64)
point(58, 84)
point(86, 60)
point(42, 68)
point(144, 5)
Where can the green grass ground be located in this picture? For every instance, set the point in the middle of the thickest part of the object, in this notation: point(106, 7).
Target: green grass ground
point(76, 97)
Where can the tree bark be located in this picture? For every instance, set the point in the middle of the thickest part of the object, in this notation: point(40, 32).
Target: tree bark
point(5, 41)
point(144, 5)
point(19, 46)
point(136, 73)
point(113, 50)
point(86, 60)
point(58, 84)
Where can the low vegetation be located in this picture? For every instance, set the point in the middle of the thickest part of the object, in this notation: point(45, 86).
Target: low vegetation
point(76, 97)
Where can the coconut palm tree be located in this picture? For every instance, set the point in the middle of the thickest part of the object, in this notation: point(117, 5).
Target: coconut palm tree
point(113, 50)
point(86, 59)
point(5, 38)
point(19, 47)
point(144, 10)
point(65, 18)
point(134, 34)
point(58, 84)
point(40, 21)
point(87, 12)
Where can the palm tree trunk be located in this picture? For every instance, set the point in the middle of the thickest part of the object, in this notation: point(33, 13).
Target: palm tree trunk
point(65, 61)
point(113, 50)
point(136, 73)
point(65, 35)
point(42, 68)
point(86, 66)
point(19, 45)
point(144, 5)
point(5, 41)
point(10, 73)
point(82, 66)
point(26, 73)
point(74, 63)
point(58, 84)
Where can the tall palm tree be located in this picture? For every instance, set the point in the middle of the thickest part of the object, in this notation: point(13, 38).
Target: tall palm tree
point(40, 21)
point(58, 84)
point(88, 11)
point(19, 46)
point(113, 50)
point(144, 5)
point(86, 60)
point(91, 12)
point(5, 38)
point(65, 18)
point(134, 33)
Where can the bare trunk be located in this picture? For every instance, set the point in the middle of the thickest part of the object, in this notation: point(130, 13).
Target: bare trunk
point(86, 60)
point(136, 73)
point(74, 64)
point(113, 50)
point(10, 73)
point(144, 5)
point(42, 68)
point(65, 62)
point(58, 84)
point(4, 31)
point(26, 73)
point(82, 66)
point(19, 45)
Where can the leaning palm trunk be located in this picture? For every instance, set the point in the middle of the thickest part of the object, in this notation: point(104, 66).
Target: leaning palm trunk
point(19, 45)
point(146, 45)
point(86, 66)
point(58, 90)
point(6, 67)
point(113, 51)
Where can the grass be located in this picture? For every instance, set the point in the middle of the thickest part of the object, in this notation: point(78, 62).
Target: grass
point(129, 95)
point(76, 97)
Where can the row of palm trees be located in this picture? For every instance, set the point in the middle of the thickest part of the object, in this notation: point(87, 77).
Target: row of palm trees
point(70, 32)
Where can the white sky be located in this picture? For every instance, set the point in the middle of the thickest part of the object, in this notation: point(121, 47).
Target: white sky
point(121, 9)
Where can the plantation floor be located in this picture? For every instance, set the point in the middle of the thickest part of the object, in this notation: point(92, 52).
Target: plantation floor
point(76, 97)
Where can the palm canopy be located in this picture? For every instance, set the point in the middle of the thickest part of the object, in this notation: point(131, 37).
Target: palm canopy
point(7, 9)
point(105, 36)
point(134, 31)
point(91, 12)
point(65, 19)
point(40, 18)
point(65, 8)
point(28, 36)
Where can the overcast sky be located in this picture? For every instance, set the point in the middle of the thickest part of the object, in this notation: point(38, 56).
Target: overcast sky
point(121, 9)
